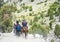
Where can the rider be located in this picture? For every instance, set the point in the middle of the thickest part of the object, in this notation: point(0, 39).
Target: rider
point(24, 24)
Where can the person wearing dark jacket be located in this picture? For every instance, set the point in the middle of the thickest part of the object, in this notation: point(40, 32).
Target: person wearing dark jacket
point(24, 25)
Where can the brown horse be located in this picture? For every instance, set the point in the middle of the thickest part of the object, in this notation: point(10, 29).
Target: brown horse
point(24, 30)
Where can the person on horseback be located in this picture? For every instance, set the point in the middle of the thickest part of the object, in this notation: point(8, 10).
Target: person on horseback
point(24, 27)
point(24, 23)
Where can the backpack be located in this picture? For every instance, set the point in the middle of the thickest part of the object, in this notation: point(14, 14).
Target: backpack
point(18, 27)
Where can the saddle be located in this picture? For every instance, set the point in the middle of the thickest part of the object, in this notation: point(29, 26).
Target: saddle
point(25, 28)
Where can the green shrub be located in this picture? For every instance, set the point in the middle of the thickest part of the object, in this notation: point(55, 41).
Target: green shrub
point(46, 0)
point(30, 14)
point(18, 11)
point(30, 8)
point(26, 7)
point(32, 0)
point(9, 29)
point(52, 40)
point(21, 0)
point(40, 29)
point(7, 25)
point(39, 3)
point(57, 30)
point(6, 22)
point(23, 4)
point(23, 7)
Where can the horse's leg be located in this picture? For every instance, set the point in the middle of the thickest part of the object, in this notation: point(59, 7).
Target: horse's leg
point(21, 31)
point(26, 33)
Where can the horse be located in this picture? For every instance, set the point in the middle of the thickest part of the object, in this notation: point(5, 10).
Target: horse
point(24, 30)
